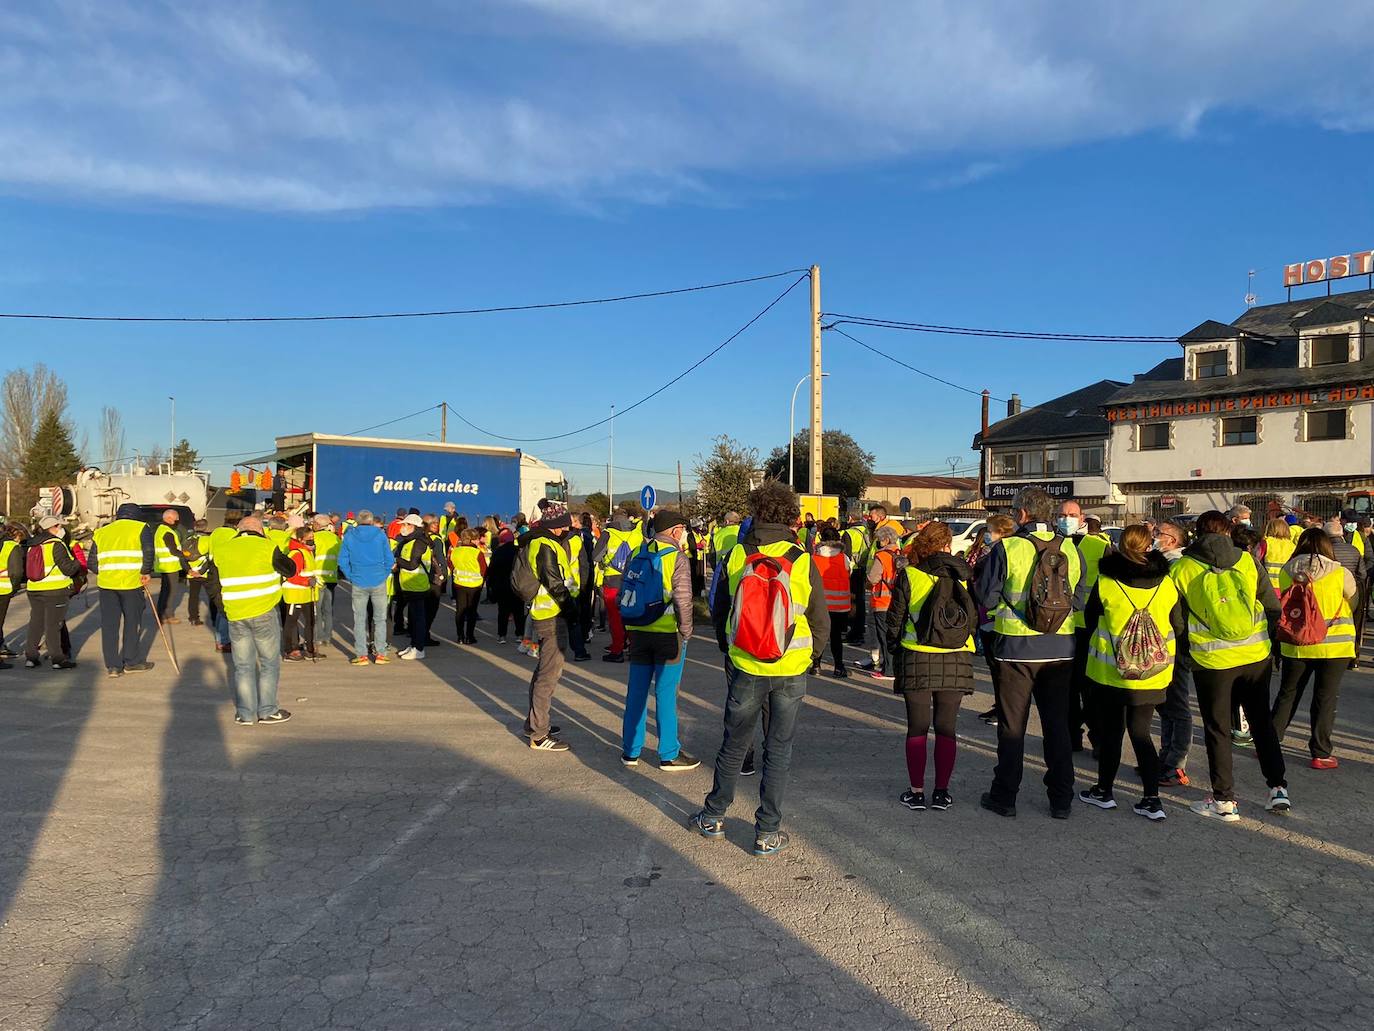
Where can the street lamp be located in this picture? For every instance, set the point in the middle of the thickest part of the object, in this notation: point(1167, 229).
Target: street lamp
point(171, 455)
point(792, 423)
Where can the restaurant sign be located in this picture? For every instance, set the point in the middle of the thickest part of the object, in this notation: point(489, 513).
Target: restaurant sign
point(1059, 490)
point(1243, 403)
point(1317, 270)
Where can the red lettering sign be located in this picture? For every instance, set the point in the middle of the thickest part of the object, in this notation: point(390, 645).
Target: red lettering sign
point(1292, 274)
point(1338, 267)
point(1362, 263)
point(1314, 271)
point(1334, 394)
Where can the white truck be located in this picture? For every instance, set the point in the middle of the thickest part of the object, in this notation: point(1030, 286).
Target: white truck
point(95, 496)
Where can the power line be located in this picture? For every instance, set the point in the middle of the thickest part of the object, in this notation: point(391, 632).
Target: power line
point(404, 314)
point(1004, 334)
point(379, 425)
point(920, 372)
point(621, 412)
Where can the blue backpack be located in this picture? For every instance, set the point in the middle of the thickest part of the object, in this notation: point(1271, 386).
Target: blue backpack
point(641, 600)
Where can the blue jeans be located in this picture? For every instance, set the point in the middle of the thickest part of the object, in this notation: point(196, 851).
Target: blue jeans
point(742, 704)
point(324, 615)
point(1176, 720)
point(256, 645)
point(361, 596)
point(665, 678)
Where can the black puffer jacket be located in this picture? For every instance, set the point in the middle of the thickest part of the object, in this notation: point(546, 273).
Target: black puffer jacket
point(926, 671)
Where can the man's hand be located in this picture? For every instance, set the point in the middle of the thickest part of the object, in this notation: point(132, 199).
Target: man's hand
point(143, 579)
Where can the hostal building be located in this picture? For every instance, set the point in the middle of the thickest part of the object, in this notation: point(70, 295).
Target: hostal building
point(1275, 407)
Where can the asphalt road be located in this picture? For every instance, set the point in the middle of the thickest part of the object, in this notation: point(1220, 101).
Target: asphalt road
point(394, 857)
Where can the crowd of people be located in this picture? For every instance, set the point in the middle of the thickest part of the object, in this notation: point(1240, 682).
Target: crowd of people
point(1100, 634)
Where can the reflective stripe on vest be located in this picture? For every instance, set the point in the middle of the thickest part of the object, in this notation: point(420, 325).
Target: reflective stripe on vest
point(249, 586)
point(119, 555)
point(881, 592)
point(666, 623)
point(1091, 548)
point(543, 606)
point(858, 545)
point(1205, 649)
point(797, 659)
point(574, 541)
point(467, 570)
point(6, 585)
point(305, 592)
point(920, 584)
point(1119, 603)
point(835, 580)
point(327, 555)
point(54, 579)
point(165, 558)
point(1340, 626)
point(1277, 552)
point(413, 581)
point(1008, 618)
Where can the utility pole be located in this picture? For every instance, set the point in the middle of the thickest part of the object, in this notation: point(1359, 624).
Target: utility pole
point(679, 487)
point(171, 455)
point(610, 467)
point(815, 487)
point(443, 422)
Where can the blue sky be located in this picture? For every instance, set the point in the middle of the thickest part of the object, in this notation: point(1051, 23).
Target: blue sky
point(1049, 167)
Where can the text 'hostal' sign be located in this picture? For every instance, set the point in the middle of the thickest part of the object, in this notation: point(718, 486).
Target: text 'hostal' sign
point(1340, 266)
point(1244, 403)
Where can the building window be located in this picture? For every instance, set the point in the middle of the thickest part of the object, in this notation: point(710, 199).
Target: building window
point(904, 506)
point(1019, 463)
point(1087, 460)
point(1328, 424)
point(1333, 349)
point(1154, 436)
point(1239, 429)
point(1212, 364)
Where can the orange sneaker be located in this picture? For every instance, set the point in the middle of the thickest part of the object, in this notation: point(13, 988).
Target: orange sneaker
point(380, 660)
point(1324, 763)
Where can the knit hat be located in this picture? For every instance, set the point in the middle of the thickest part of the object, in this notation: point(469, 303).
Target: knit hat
point(561, 521)
point(505, 537)
point(666, 520)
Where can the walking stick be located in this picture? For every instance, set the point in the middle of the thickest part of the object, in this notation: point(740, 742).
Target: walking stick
point(162, 631)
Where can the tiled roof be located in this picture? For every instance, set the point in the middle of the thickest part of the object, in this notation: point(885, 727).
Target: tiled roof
point(1078, 414)
point(924, 482)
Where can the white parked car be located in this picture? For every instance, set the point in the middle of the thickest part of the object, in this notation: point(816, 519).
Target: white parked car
point(964, 531)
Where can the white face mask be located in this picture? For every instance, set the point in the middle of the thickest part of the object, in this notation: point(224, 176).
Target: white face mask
point(1068, 525)
point(59, 531)
point(1351, 527)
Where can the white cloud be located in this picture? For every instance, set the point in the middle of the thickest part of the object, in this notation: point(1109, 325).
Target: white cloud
point(249, 105)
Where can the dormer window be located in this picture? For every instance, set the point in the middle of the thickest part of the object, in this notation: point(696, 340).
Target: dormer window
point(1330, 349)
point(1212, 364)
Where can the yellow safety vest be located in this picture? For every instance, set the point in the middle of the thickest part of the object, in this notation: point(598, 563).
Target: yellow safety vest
point(6, 549)
point(1119, 603)
point(574, 542)
point(413, 581)
point(53, 579)
point(302, 594)
point(797, 659)
point(723, 538)
point(119, 554)
point(858, 545)
point(666, 623)
point(921, 584)
point(1340, 625)
point(1091, 548)
point(1206, 649)
point(281, 538)
point(249, 586)
point(327, 545)
point(447, 524)
point(1009, 617)
point(1357, 541)
point(543, 606)
point(467, 570)
point(217, 537)
point(631, 538)
point(166, 549)
point(1277, 552)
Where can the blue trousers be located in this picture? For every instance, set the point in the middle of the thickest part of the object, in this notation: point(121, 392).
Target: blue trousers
point(664, 677)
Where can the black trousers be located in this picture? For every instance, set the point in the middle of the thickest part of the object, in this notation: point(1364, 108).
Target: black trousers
point(572, 625)
point(509, 607)
point(4, 611)
point(1325, 675)
point(193, 589)
point(47, 623)
point(1049, 684)
point(116, 607)
point(1081, 698)
point(920, 705)
point(416, 607)
point(1247, 686)
point(1115, 714)
point(298, 629)
point(431, 610)
point(858, 594)
point(839, 626)
point(465, 601)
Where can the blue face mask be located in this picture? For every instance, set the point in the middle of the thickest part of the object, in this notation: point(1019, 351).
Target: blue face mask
point(1351, 527)
point(1068, 525)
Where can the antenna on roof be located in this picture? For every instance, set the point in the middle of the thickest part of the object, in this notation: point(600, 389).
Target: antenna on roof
point(953, 461)
point(1251, 298)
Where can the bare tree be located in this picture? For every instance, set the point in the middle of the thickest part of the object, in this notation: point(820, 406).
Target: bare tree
point(26, 395)
point(111, 437)
point(156, 458)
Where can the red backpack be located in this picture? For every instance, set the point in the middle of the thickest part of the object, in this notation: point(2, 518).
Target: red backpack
point(35, 568)
point(1300, 617)
point(762, 620)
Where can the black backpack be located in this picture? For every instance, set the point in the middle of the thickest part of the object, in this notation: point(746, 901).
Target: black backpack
point(1049, 599)
point(948, 618)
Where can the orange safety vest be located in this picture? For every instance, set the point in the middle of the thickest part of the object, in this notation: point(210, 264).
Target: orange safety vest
point(881, 591)
point(834, 571)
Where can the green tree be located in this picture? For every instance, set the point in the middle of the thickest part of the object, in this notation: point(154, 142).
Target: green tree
point(184, 456)
point(725, 477)
point(51, 459)
point(632, 506)
point(598, 504)
point(845, 466)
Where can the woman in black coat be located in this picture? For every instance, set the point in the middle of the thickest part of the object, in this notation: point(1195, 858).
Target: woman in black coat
point(931, 679)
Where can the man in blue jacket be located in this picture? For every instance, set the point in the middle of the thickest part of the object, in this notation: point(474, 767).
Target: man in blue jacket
point(366, 561)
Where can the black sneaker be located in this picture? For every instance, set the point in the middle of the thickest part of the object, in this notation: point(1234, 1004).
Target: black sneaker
point(613, 657)
point(629, 760)
point(112, 672)
point(770, 844)
point(8, 653)
point(681, 764)
point(549, 744)
point(989, 717)
point(1150, 808)
point(5, 665)
point(914, 800)
point(138, 667)
point(280, 716)
point(1061, 814)
point(707, 826)
point(1097, 796)
point(748, 769)
point(941, 799)
point(243, 722)
point(64, 664)
point(1001, 809)
point(840, 673)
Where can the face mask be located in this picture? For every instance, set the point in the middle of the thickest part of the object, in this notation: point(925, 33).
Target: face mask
point(1068, 525)
point(59, 531)
point(1245, 522)
point(1350, 527)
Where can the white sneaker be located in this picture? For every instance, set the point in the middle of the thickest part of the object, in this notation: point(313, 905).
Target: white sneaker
point(523, 648)
point(1228, 812)
point(406, 653)
point(417, 653)
point(1278, 801)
